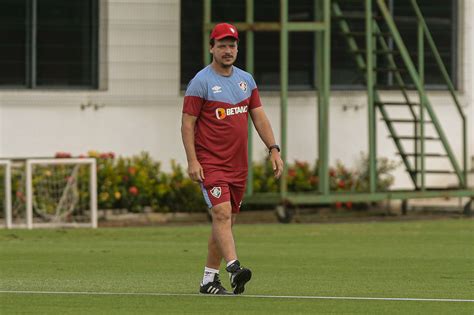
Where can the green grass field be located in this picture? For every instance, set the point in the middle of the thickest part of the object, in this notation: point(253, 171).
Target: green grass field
point(421, 259)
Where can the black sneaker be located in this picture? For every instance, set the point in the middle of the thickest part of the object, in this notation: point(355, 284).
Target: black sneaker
point(238, 277)
point(214, 287)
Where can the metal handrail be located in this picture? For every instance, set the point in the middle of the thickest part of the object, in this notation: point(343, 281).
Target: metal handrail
point(447, 79)
point(462, 174)
point(437, 56)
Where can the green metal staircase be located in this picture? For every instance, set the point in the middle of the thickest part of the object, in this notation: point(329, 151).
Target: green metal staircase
point(380, 28)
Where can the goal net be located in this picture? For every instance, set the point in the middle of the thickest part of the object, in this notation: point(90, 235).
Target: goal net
point(53, 193)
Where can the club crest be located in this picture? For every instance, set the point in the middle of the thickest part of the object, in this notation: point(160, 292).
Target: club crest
point(216, 192)
point(243, 86)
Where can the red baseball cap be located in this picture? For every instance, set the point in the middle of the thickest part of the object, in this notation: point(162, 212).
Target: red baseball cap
point(222, 30)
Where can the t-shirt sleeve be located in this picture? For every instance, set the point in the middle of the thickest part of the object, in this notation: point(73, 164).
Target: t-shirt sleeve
point(194, 98)
point(255, 101)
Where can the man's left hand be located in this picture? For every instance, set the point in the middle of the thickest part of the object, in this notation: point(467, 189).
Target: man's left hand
point(277, 163)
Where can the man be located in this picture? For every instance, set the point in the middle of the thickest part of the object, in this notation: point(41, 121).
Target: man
point(214, 130)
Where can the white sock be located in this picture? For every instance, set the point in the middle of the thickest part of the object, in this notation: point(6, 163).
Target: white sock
point(208, 275)
point(231, 262)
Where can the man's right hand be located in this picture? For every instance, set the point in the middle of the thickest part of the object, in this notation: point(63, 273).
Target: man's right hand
point(195, 171)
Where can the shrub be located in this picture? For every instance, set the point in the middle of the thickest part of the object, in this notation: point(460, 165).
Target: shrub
point(179, 192)
point(136, 183)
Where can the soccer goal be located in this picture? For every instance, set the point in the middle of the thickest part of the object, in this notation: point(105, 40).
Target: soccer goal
point(61, 193)
point(6, 192)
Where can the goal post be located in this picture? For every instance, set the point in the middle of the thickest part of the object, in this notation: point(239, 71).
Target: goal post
point(66, 197)
point(7, 200)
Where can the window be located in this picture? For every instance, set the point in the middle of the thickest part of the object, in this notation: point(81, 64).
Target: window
point(12, 42)
point(266, 44)
point(439, 15)
point(49, 43)
point(441, 18)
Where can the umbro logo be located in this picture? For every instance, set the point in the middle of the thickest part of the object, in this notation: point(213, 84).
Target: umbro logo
point(216, 192)
point(216, 89)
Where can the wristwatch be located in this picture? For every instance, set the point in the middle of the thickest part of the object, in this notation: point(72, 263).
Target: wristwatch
point(275, 146)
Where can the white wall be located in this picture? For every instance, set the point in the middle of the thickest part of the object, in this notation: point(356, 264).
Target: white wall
point(143, 101)
point(469, 72)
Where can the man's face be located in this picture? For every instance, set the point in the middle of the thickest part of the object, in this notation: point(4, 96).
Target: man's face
point(225, 51)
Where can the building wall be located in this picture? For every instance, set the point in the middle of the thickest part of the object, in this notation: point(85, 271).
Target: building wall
point(468, 52)
point(139, 105)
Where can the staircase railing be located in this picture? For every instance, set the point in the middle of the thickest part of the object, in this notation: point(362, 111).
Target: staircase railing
point(461, 174)
point(447, 79)
point(363, 66)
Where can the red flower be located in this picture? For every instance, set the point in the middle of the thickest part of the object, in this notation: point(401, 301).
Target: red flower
point(349, 205)
point(301, 164)
point(341, 184)
point(291, 172)
point(132, 170)
point(62, 155)
point(332, 172)
point(20, 195)
point(338, 204)
point(107, 155)
point(133, 190)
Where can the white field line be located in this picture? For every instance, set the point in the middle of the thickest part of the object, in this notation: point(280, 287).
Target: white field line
point(242, 296)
